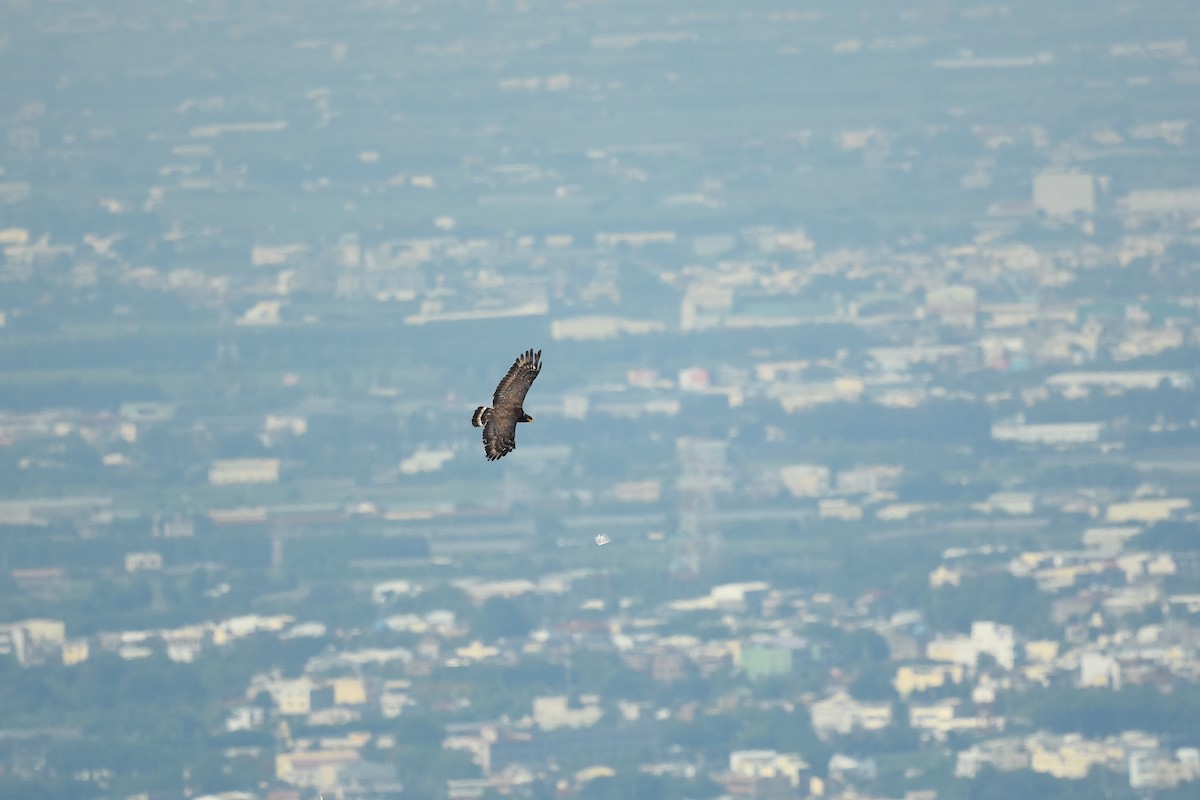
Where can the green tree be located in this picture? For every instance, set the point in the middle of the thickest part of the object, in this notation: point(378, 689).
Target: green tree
point(998, 597)
point(502, 618)
point(1103, 712)
point(1172, 536)
point(625, 786)
point(992, 784)
point(874, 682)
point(419, 755)
point(777, 728)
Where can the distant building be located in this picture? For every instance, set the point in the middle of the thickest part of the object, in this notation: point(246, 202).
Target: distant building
point(1072, 756)
point(769, 764)
point(1013, 503)
point(184, 644)
point(1041, 651)
point(1061, 194)
point(648, 491)
point(39, 580)
point(1099, 670)
point(694, 379)
point(997, 641)
point(349, 692)
point(941, 717)
point(292, 696)
point(770, 240)
point(236, 627)
point(920, 677)
point(554, 712)
point(173, 527)
point(75, 651)
point(953, 305)
point(1075, 383)
point(479, 591)
point(739, 598)
point(426, 460)
point(1153, 769)
point(704, 306)
point(839, 508)
point(1108, 541)
point(901, 511)
point(1005, 755)
point(599, 744)
point(1161, 201)
point(598, 327)
point(317, 769)
point(14, 236)
point(842, 714)
point(800, 396)
point(147, 560)
point(245, 718)
point(146, 411)
point(391, 591)
point(945, 576)
point(243, 470)
point(1061, 433)
point(868, 479)
point(1149, 510)
point(805, 480)
point(634, 239)
point(32, 641)
point(275, 255)
point(264, 312)
point(765, 661)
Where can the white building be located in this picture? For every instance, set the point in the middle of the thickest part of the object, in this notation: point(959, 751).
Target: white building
point(245, 718)
point(1099, 670)
point(1162, 201)
point(953, 305)
point(768, 764)
point(147, 560)
point(841, 713)
point(868, 479)
point(1061, 194)
point(987, 638)
point(228, 471)
point(292, 696)
point(941, 717)
point(805, 480)
point(1059, 433)
point(1073, 383)
point(555, 712)
point(1147, 510)
point(1005, 754)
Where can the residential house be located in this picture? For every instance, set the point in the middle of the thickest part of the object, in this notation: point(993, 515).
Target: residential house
point(841, 713)
point(990, 638)
point(317, 769)
point(921, 677)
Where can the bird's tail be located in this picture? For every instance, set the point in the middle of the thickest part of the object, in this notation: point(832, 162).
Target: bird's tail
point(480, 417)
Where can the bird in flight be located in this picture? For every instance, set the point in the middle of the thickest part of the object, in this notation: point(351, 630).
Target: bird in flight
point(499, 422)
point(602, 540)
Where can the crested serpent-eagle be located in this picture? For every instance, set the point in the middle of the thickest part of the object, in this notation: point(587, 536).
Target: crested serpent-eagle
point(500, 421)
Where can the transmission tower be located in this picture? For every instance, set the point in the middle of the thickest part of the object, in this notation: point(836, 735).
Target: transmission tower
point(702, 473)
point(227, 355)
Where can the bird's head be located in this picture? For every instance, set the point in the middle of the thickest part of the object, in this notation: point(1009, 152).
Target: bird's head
point(526, 418)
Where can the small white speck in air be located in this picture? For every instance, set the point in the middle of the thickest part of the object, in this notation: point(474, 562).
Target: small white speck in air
point(602, 540)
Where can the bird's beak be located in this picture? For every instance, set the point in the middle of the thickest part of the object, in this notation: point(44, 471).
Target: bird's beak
point(530, 417)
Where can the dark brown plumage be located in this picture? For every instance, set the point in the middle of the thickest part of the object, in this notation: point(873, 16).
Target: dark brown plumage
point(500, 421)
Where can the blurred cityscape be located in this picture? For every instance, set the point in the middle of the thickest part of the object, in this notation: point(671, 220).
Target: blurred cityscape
point(867, 453)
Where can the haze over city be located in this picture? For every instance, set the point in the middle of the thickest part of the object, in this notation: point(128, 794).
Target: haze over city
point(863, 461)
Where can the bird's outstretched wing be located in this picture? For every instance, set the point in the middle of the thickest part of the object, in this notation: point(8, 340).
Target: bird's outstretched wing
point(499, 436)
point(511, 391)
